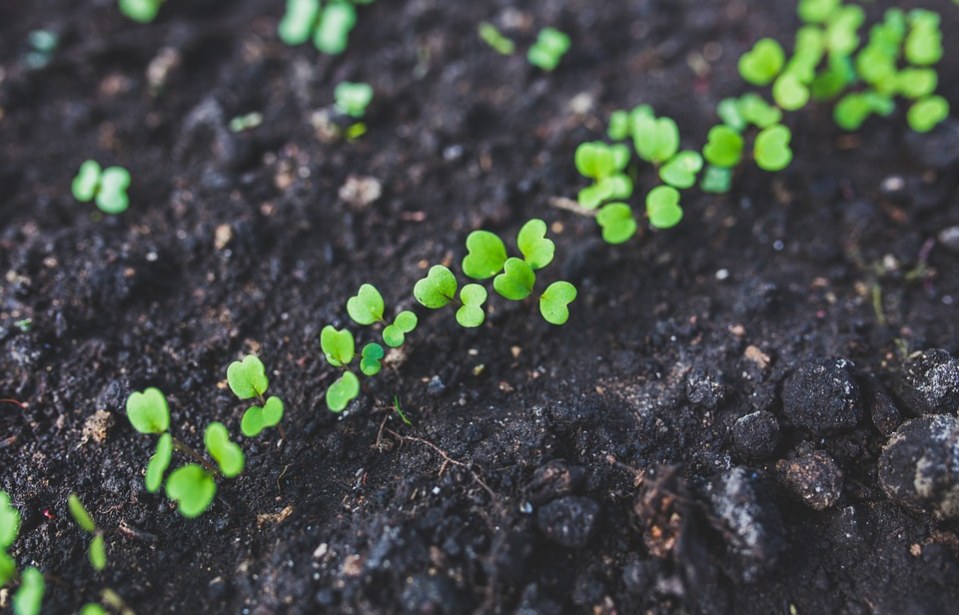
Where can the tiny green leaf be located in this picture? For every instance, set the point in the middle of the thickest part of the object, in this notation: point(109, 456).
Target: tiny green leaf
point(656, 139)
point(842, 36)
point(298, 22)
point(394, 335)
point(761, 64)
point(549, 48)
point(681, 170)
point(590, 197)
point(92, 608)
point(8, 568)
point(338, 346)
point(87, 181)
point(336, 21)
point(192, 488)
point(367, 306)
point(662, 207)
point(9, 522)
point(437, 289)
point(112, 196)
point(140, 11)
point(724, 147)
point(148, 411)
point(852, 110)
point(342, 392)
point(98, 553)
point(536, 249)
point(228, 455)
point(771, 150)
point(80, 514)
point(257, 418)
point(516, 281)
point(620, 125)
point(617, 222)
point(353, 98)
point(916, 82)
point(729, 111)
point(29, 598)
point(471, 313)
point(790, 93)
point(716, 180)
point(247, 378)
point(492, 37)
point(485, 256)
point(555, 300)
point(923, 43)
point(757, 111)
point(370, 361)
point(159, 463)
point(817, 11)
point(926, 113)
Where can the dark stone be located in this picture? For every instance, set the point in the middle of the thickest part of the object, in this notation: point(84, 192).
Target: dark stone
point(930, 382)
point(885, 415)
point(430, 595)
point(552, 480)
point(814, 478)
point(756, 435)
point(704, 388)
point(638, 577)
point(919, 466)
point(568, 521)
point(822, 396)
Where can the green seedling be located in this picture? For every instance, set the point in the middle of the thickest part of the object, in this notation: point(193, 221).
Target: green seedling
point(437, 289)
point(716, 180)
point(916, 83)
point(617, 222)
point(394, 335)
point(328, 24)
point(228, 455)
point(517, 280)
point(662, 207)
point(298, 23)
point(492, 37)
point(345, 389)
point(817, 11)
point(724, 147)
point(93, 608)
point(923, 46)
point(192, 487)
point(605, 164)
point(371, 359)
point(550, 47)
point(471, 313)
point(842, 30)
point(367, 306)
point(43, 44)
point(656, 139)
point(854, 108)
point(760, 65)
point(399, 411)
point(107, 187)
point(140, 11)
point(790, 92)
point(555, 300)
point(248, 121)
point(340, 350)
point(29, 596)
point(486, 254)
point(537, 250)
point(352, 99)
point(681, 170)
point(757, 112)
point(926, 113)
point(159, 463)
point(771, 149)
point(97, 552)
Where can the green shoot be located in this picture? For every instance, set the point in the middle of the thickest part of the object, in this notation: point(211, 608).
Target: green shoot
point(159, 463)
point(367, 306)
point(761, 64)
point(549, 48)
point(662, 207)
point(228, 455)
point(248, 380)
point(297, 24)
point(492, 37)
point(352, 99)
point(656, 139)
point(516, 281)
point(92, 608)
point(471, 313)
point(108, 187)
point(29, 598)
point(9, 529)
point(605, 164)
point(399, 411)
point(394, 335)
point(258, 418)
point(771, 149)
point(681, 170)
point(926, 113)
point(716, 180)
point(97, 553)
point(555, 300)
point(437, 289)
point(148, 411)
point(724, 147)
point(817, 11)
point(486, 255)
point(537, 250)
point(338, 346)
point(140, 11)
point(333, 30)
point(192, 488)
point(790, 92)
point(617, 222)
point(344, 390)
point(371, 359)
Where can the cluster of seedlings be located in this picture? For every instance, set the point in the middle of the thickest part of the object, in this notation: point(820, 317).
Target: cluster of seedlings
point(105, 187)
point(545, 53)
point(829, 63)
point(327, 24)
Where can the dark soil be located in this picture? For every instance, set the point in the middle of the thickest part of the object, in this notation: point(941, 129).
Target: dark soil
point(599, 467)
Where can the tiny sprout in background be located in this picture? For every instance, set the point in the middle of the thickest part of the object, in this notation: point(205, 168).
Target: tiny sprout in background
point(656, 139)
point(605, 165)
point(617, 222)
point(141, 11)
point(9, 529)
point(353, 98)
point(771, 149)
point(492, 37)
point(327, 24)
point(344, 390)
point(249, 121)
point(761, 64)
point(662, 207)
point(192, 488)
point(338, 346)
point(682, 169)
point(107, 186)
point(549, 48)
point(29, 598)
point(485, 255)
point(724, 147)
point(43, 44)
point(97, 553)
point(926, 113)
point(371, 359)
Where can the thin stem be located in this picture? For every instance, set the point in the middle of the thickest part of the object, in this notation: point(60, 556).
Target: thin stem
point(183, 447)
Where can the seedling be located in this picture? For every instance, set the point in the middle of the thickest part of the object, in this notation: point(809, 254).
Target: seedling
point(517, 280)
point(340, 349)
point(353, 98)
point(108, 187)
point(29, 596)
point(247, 379)
point(761, 64)
point(470, 314)
point(141, 11)
point(724, 147)
point(549, 48)
point(771, 150)
point(97, 553)
point(492, 37)
point(192, 487)
point(367, 308)
point(926, 113)
point(371, 359)
point(605, 164)
point(617, 222)
point(555, 300)
point(43, 44)
point(328, 24)
point(656, 139)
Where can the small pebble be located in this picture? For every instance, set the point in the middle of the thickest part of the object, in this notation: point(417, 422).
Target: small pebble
point(756, 435)
point(568, 521)
point(919, 466)
point(814, 478)
point(930, 382)
point(822, 396)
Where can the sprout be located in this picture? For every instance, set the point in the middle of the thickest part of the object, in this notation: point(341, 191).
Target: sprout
point(716, 180)
point(492, 37)
point(352, 99)
point(367, 306)
point(549, 48)
point(437, 289)
point(790, 92)
point(370, 359)
point(159, 463)
point(682, 169)
point(97, 553)
point(662, 207)
point(853, 109)
point(141, 11)
point(817, 11)
point(471, 313)
point(756, 111)
point(605, 164)
point(555, 300)
point(926, 113)
point(9, 529)
point(656, 139)
point(761, 64)
point(924, 42)
point(394, 335)
point(228, 455)
point(328, 24)
point(258, 418)
point(916, 82)
point(724, 147)
point(192, 488)
point(29, 598)
point(617, 222)
point(516, 281)
point(148, 411)
point(842, 36)
point(531, 240)
point(93, 608)
point(771, 149)
point(247, 380)
point(108, 187)
point(299, 21)
point(485, 255)
point(338, 346)
point(344, 390)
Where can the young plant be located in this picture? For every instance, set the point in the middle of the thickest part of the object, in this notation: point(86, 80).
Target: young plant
point(492, 37)
point(97, 553)
point(549, 48)
point(107, 187)
point(352, 99)
point(141, 11)
point(606, 165)
point(339, 348)
point(191, 486)
point(247, 379)
point(327, 24)
point(29, 596)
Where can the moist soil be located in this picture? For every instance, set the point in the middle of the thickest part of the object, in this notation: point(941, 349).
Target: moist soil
point(598, 467)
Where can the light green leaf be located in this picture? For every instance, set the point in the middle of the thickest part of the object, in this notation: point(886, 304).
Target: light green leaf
point(516, 281)
point(87, 181)
point(549, 48)
point(656, 140)
point(394, 335)
point(662, 207)
point(757, 111)
point(9, 522)
point(617, 222)
point(681, 169)
point(917, 82)
point(817, 11)
point(926, 113)
point(367, 306)
point(761, 64)
point(159, 463)
point(437, 289)
point(140, 11)
point(370, 361)
point(8, 568)
point(247, 378)
point(537, 250)
point(98, 553)
point(80, 514)
point(352, 99)
point(336, 21)
point(771, 149)
point(724, 147)
point(790, 93)
point(716, 180)
point(228, 455)
point(485, 256)
point(192, 488)
point(299, 21)
point(257, 418)
point(590, 197)
point(92, 608)
point(112, 196)
point(554, 302)
point(344, 390)
point(148, 411)
point(471, 313)
point(338, 346)
point(29, 598)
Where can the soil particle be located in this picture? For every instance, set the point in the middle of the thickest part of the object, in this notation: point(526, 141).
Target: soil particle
point(705, 388)
point(939, 149)
point(919, 466)
point(568, 521)
point(756, 435)
point(885, 416)
point(552, 480)
point(749, 521)
point(930, 382)
point(814, 478)
point(822, 396)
